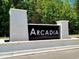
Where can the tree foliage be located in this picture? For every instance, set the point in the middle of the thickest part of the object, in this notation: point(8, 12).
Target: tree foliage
point(4, 17)
point(40, 11)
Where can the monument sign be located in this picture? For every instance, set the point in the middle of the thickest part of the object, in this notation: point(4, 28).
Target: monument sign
point(20, 30)
point(43, 31)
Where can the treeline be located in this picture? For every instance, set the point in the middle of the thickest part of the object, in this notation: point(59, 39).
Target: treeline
point(40, 11)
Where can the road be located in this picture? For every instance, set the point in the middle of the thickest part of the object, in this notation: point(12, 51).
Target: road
point(26, 45)
point(60, 54)
point(11, 48)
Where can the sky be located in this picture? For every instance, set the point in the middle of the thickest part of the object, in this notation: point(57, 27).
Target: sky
point(71, 2)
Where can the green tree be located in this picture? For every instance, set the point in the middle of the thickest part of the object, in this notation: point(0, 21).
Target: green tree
point(4, 18)
point(49, 11)
point(41, 11)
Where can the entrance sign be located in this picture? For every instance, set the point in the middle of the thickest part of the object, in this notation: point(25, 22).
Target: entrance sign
point(20, 30)
point(43, 31)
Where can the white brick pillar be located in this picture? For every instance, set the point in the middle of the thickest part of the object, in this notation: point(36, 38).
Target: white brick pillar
point(64, 30)
point(18, 25)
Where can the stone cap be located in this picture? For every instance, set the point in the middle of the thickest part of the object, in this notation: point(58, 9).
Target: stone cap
point(63, 21)
point(20, 10)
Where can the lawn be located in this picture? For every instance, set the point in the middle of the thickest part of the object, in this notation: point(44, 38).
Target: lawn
point(4, 38)
point(74, 35)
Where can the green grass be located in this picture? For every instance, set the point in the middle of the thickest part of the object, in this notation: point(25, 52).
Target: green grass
point(74, 35)
point(4, 37)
